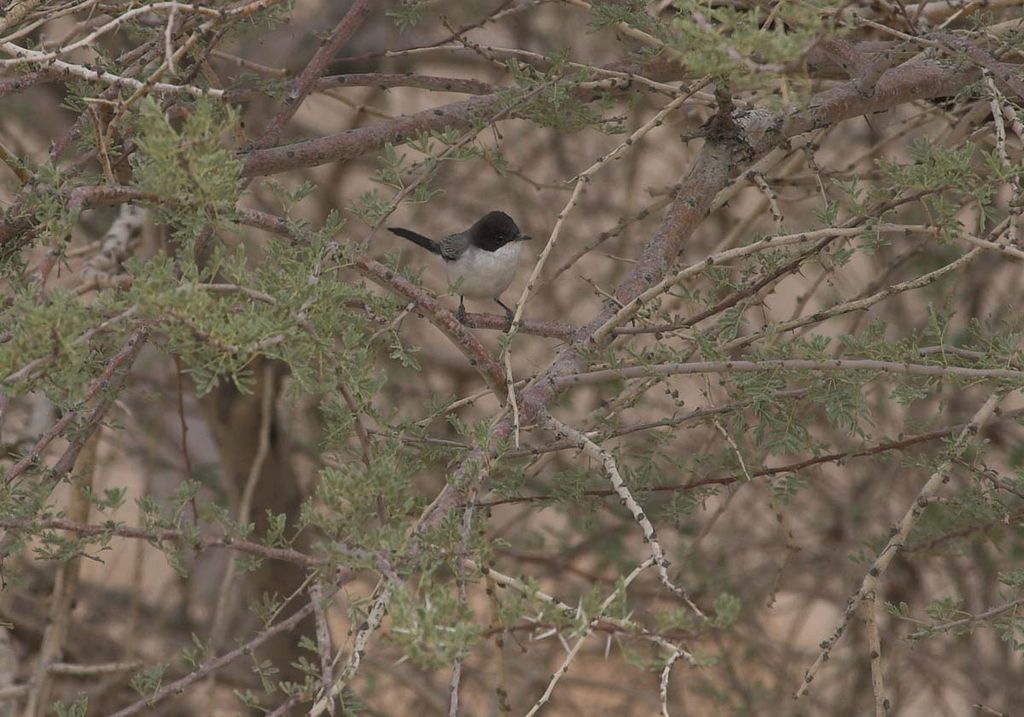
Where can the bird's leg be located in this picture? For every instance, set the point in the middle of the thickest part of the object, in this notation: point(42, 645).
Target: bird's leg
point(509, 314)
point(461, 313)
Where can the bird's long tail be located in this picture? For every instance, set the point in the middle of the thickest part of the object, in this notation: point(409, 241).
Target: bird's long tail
point(417, 239)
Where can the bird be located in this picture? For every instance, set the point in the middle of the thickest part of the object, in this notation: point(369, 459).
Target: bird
point(480, 261)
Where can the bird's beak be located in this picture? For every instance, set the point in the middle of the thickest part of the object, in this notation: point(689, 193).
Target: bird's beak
point(523, 237)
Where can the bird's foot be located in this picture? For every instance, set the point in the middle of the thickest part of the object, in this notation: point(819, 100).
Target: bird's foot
point(509, 314)
point(460, 314)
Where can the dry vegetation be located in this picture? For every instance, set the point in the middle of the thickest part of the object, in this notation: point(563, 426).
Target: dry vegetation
point(751, 444)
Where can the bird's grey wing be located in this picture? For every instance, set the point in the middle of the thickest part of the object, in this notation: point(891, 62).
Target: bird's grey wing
point(453, 246)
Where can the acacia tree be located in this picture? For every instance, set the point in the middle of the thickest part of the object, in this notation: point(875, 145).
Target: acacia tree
point(750, 436)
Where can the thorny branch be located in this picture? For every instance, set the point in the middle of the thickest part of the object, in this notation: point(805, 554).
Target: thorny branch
point(743, 145)
point(869, 585)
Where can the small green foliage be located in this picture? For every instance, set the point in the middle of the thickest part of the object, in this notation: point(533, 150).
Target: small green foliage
point(431, 625)
point(276, 523)
point(193, 655)
point(248, 698)
point(78, 708)
point(58, 547)
point(49, 331)
point(370, 207)
point(394, 170)
point(967, 512)
point(360, 502)
point(155, 516)
point(733, 43)
point(1012, 579)
point(549, 98)
point(682, 505)
point(944, 609)
point(786, 486)
point(407, 13)
point(630, 12)
point(267, 673)
point(828, 213)
point(45, 207)
point(777, 427)
point(148, 680)
point(266, 608)
point(110, 500)
point(900, 610)
point(289, 198)
point(949, 176)
point(727, 610)
point(188, 165)
point(841, 396)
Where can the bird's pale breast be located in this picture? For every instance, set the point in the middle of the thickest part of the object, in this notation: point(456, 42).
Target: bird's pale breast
point(485, 274)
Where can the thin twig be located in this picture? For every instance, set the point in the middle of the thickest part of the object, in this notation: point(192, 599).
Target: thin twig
point(323, 633)
point(210, 666)
point(222, 613)
point(615, 594)
point(65, 588)
point(869, 609)
point(658, 559)
point(870, 582)
point(289, 555)
point(968, 621)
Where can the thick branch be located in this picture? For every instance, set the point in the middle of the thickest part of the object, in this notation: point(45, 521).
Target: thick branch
point(701, 367)
point(354, 143)
point(307, 79)
point(385, 80)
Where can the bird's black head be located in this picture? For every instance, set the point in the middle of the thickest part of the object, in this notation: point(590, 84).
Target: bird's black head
point(493, 231)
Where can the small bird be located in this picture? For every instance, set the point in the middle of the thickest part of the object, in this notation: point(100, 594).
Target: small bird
point(481, 261)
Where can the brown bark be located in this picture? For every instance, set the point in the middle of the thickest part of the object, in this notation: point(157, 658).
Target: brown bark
point(234, 418)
